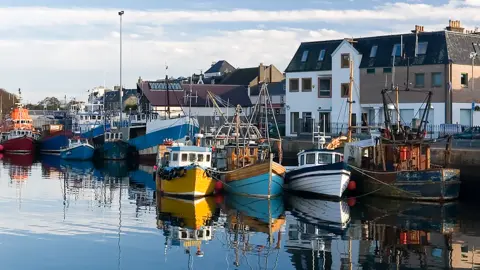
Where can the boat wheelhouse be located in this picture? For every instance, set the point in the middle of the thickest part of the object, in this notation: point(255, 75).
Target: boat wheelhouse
point(78, 149)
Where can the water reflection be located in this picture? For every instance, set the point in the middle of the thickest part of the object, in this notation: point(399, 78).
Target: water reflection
point(110, 217)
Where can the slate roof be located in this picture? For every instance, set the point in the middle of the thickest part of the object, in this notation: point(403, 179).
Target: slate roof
point(274, 89)
point(236, 94)
point(241, 76)
point(221, 66)
point(442, 46)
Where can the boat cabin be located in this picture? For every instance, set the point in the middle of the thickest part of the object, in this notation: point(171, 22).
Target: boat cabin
point(50, 129)
point(76, 142)
point(314, 157)
point(180, 156)
point(18, 133)
point(113, 136)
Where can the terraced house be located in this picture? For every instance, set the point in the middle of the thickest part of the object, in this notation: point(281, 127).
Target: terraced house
point(444, 62)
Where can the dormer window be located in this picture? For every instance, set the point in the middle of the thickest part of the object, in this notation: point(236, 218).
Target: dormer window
point(373, 51)
point(304, 56)
point(321, 56)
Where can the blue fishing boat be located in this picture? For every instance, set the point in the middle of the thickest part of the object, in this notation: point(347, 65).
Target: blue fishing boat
point(54, 138)
point(78, 149)
point(114, 148)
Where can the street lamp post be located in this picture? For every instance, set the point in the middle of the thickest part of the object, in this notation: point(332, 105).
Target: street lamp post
point(473, 55)
point(120, 92)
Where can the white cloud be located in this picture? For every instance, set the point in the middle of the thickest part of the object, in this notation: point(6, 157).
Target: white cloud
point(65, 51)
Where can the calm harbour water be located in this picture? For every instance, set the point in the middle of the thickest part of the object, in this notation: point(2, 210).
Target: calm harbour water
point(57, 215)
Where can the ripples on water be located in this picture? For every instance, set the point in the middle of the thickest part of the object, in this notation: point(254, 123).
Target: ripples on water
point(57, 215)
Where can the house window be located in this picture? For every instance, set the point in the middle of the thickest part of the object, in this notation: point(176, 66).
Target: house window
point(310, 158)
point(294, 85)
point(304, 56)
point(436, 79)
point(306, 84)
point(321, 56)
point(373, 51)
point(345, 60)
point(397, 50)
point(345, 88)
point(184, 157)
point(324, 87)
point(294, 118)
point(387, 70)
point(419, 80)
point(422, 48)
point(464, 80)
point(370, 71)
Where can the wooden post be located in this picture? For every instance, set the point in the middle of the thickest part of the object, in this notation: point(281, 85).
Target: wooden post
point(427, 158)
point(270, 175)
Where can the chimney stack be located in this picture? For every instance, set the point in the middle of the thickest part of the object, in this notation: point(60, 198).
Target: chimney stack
point(418, 29)
point(455, 26)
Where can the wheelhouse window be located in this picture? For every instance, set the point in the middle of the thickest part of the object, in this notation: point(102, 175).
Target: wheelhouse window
point(208, 158)
point(302, 160)
point(184, 157)
point(200, 157)
point(191, 157)
point(175, 157)
point(338, 158)
point(310, 158)
point(324, 158)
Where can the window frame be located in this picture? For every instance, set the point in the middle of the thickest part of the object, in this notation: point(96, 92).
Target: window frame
point(304, 56)
point(342, 64)
point(323, 90)
point(433, 80)
point(321, 56)
point(341, 90)
point(416, 83)
point(309, 155)
point(290, 85)
point(373, 51)
point(464, 85)
point(303, 85)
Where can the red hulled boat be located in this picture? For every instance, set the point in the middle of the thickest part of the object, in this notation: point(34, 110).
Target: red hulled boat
point(19, 134)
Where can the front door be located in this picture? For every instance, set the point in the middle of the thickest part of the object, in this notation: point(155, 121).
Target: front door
point(324, 121)
point(466, 117)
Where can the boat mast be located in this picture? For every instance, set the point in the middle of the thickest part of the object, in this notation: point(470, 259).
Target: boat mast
point(168, 97)
point(350, 95)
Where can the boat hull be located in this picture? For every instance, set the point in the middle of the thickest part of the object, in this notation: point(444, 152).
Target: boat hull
point(428, 185)
point(23, 145)
point(334, 214)
point(160, 130)
point(81, 152)
point(327, 180)
point(54, 143)
point(116, 150)
point(254, 180)
point(193, 183)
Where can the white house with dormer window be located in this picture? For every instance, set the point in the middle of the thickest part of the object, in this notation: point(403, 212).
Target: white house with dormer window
point(318, 85)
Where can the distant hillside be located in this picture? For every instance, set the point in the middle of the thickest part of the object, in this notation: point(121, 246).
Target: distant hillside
point(7, 101)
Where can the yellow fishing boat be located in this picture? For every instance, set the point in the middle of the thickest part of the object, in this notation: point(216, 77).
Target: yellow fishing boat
point(183, 171)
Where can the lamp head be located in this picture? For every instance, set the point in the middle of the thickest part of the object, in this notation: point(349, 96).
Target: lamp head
point(120, 13)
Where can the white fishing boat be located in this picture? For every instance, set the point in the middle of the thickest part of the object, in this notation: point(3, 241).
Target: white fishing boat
point(320, 171)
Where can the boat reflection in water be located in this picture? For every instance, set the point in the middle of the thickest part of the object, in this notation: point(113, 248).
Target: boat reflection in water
point(19, 166)
point(186, 224)
point(254, 230)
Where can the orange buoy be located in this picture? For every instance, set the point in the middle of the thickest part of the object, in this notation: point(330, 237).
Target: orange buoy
point(352, 201)
point(218, 187)
point(352, 185)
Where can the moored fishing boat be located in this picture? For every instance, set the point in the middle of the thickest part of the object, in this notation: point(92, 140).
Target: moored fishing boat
point(77, 149)
point(114, 147)
point(53, 138)
point(184, 171)
point(397, 164)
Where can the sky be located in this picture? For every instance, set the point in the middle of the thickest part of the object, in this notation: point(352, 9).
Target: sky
point(63, 48)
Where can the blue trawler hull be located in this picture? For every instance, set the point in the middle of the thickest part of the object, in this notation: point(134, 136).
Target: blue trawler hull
point(53, 144)
point(257, 186)
point(116, 150)
point(81, 152)
point(426, 185)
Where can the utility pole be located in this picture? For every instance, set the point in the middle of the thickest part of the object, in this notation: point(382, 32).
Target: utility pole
point(473, 55)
